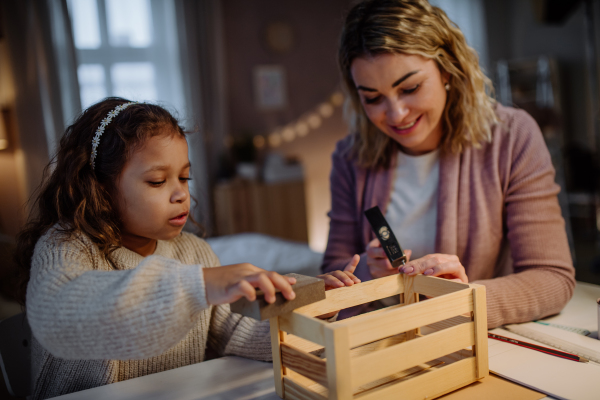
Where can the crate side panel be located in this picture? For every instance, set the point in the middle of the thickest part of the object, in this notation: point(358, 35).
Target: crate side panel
point(369, 328)
point(297, 391)
point(434, 287)
point(303, 363)
point(481, 341)
point(350, 296)
point(394, 359)
point(303, 326)
point(429, 385)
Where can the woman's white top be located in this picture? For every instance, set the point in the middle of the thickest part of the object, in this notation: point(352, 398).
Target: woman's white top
point(412, 212)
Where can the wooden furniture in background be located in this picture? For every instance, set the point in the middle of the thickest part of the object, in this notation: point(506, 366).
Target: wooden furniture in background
point(368, 356)
point(276, 209)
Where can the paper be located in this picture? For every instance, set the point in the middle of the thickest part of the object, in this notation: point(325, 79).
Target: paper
point(558, 338)
point(493, 388)
point(552, 375)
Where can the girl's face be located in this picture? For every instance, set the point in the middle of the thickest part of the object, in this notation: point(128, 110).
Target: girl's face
point(404, 96)
point(153, 193)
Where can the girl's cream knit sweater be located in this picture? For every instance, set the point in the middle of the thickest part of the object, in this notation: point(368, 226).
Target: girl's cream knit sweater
point(93, 325)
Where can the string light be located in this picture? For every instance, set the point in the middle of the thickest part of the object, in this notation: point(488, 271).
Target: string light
point(259, 141)
point(288, 134)
point(301, 127)
point(274, 139)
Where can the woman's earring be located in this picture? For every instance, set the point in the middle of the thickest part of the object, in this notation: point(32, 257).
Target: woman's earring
point(447, 86)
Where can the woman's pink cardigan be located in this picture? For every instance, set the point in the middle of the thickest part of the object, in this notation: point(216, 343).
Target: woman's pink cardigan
point(494, 202)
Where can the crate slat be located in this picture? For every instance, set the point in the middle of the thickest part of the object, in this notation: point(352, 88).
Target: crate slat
point(303, 326)
point(297, 391)
point(432, 383)
point(391, 360)
point(337, 350)
point(369, 328)
point(434, 287)
point(350, 296)
point(276, 340)
point(481, 341)
point(303, 363)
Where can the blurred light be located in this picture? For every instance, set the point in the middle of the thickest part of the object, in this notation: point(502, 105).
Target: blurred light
point(228, 141)
point(337, 99)
point(129, 23)
point(288, 134)
point(259, 141)
point(274, 139)
point(314, 121)
point(86, 26)
point(326, 110)
point(302, 129)
point(3, 135)
point(134, 80)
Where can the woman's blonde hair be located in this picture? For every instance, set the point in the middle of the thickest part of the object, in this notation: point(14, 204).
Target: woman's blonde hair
point(374, 27)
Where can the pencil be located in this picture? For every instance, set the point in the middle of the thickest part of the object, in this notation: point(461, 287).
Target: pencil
point(532, 346)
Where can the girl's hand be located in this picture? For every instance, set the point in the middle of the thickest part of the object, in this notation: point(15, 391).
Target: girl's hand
point(337, 279)
point(379, 264)
point(442, 265)
point(231, 282)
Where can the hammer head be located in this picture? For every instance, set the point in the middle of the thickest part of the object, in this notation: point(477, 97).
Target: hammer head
point(308, 290)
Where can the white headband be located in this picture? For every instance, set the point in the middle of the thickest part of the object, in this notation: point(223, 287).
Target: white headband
point(100, 130)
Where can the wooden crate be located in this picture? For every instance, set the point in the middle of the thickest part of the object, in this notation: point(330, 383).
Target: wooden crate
point(384, 354)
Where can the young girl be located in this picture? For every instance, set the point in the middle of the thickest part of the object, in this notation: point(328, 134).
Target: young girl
point(115, 289)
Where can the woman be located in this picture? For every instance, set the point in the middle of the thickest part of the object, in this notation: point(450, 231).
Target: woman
point(466, 183)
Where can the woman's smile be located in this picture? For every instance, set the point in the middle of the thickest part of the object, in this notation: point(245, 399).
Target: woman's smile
point(403, 95)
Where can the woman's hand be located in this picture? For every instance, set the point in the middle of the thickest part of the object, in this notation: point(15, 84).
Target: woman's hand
point(379, 264)
point(441, 265)
point(229, 283)
point(337, 279)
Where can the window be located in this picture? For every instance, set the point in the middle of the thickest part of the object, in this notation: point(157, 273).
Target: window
point(127, 48)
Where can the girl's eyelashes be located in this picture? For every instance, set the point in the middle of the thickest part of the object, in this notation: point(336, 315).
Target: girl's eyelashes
point(185, 179)
point(156, 183)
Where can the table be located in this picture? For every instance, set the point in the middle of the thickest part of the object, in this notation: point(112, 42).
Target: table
point(243, 379)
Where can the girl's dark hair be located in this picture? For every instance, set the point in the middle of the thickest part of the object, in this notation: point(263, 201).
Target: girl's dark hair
point(80, 198)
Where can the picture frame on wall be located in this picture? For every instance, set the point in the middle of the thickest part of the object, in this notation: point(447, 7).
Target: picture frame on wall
point(269, 87)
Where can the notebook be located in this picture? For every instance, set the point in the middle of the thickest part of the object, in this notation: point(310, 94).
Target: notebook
point(557, 377)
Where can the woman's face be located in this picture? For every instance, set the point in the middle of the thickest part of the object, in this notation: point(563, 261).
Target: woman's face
point(404, 96)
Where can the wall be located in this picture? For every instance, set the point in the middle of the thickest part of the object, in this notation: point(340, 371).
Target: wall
point(514, 32)
point(312, 76)
point(310, 65)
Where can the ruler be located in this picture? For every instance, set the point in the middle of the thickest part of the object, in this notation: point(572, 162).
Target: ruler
point(563, 340)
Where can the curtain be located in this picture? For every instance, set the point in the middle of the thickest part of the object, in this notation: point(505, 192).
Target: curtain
point(202, 61)
point(42, 59)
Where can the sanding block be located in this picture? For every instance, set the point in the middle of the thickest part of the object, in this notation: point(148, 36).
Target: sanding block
point(308, 290)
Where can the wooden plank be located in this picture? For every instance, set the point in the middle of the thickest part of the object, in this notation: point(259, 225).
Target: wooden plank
point(391, 360)
point(432, 383)
point(480, 321)
point(410, 297)
point(276, 351)
point(350, 296)
point(303, 344)
point(337, 350)
point(296, 391)
point(433, 286)
point(306, 327)
point(450, 322)
point(369, 328)
point(303, 363)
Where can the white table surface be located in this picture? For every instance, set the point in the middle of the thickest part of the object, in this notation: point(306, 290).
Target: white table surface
point(242, 379)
